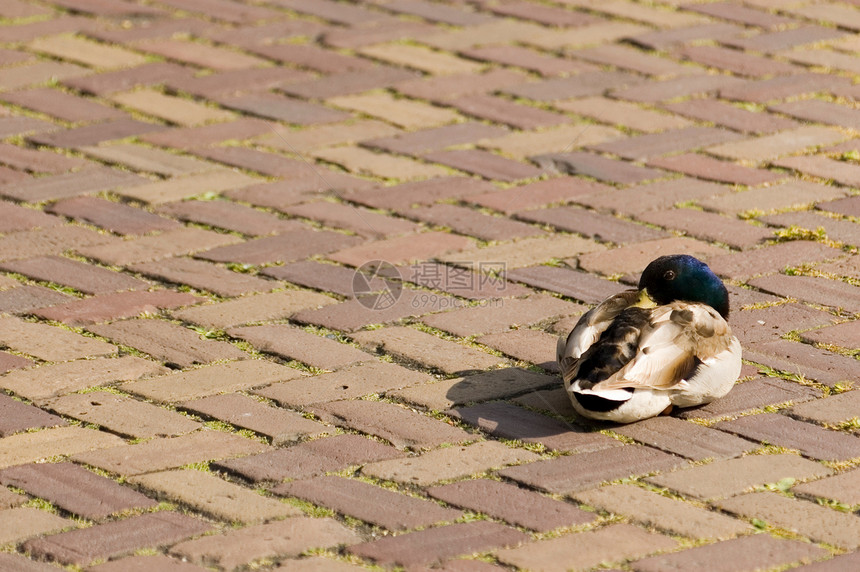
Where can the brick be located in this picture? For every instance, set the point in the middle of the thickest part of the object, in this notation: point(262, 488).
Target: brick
point(86, 181)
point(144, 563)
point(180, 188)
point(279, 425)
point(581, 85)
point(251, 309)
point(808, 519)
point(780, 430)
point(526, 143)
point(174, 109)
point(764, 324)
point(20, 523)
point(711, 169)
point(214, 496)
point(734, 476)
point(404, 195)
point(427, 349)
point(329, 135)
point(598, 226)
point(436, 544)
point(161, 454)
point(791, 194)
point(20, 563)
point(739, 63)
point(584, 550)
point(123, 415)
point(203, 276)
point(846, 267)
point(824, 58)
point(15, 10)
point(169, 342)
point(632, 59)
point(374, 308)
point(597, 166)
point(507, 112)
point(617, 112)
point(485, 164)
point(224, 10)
point(841, 15)
point(309, 459)
point(507, 421)
point(434, 139)
point(842, 172)
point(821, 291)
point(660, 195)
point(762, 91)
point(741, 14)
point(31, 447)
point(15, 218)
point(678, 87)
point(402, 249)
point(835, 229)
point(86, 278)
point(355, 381)
point(38, 73)
point(356, 159)
point(147, 159)
point(735, 118)
point(285, 538)
point(486, 319)
point(317, 275)
point(753, 552)
point(664, 513)
point(770, 258)
point(817, 111)
point(517, 56)
point(25, 299)
point(382, 507)
point(820, 365)
point(9, 362)
point(533, 346)
point(473, 223)
point(571, 283)
point(114, 305)
point(709, 226)
point(698, 443)
point(773, 146)
point(95, 134)
point(834, 410)
point(495, 384)
point(642, 147)
point(121, 80)
point(363, 222)
point(75, 489)
point(169, 243)
point(9, 499)
point(458, 84)
point(88, 53)
point(284, 248)
point(62, 105)
point(842, 488)
point(635, 257)
point(211, 380)
point(448, 463)
point(115, 217)
point(50, 343)
point(281, 108)
point(18, 416)
point(200, 55)
point(847, 206)
point(294, 343)
point(116, 538)
point(399, 426)
point(38, 161)
point(565, 475)
point(51, 380)
point(187, 138)
point(422, 59)
point(402, 112)
point(538, 194)
point(749, 395)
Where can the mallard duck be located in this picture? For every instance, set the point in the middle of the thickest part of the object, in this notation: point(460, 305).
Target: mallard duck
point(642, 352)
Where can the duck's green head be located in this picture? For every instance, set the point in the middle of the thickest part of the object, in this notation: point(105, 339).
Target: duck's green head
point(683, 277)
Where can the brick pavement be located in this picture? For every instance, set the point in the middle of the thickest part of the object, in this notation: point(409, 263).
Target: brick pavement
point(195, 377)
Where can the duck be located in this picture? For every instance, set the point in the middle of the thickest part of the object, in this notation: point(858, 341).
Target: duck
point(645, 351)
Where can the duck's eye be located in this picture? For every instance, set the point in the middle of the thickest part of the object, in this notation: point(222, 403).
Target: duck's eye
point(669, 275)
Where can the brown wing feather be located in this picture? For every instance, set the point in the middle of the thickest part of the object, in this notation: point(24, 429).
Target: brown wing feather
point(678, 336)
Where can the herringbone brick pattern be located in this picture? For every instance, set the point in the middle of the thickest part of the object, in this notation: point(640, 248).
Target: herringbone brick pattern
point(195, 375)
